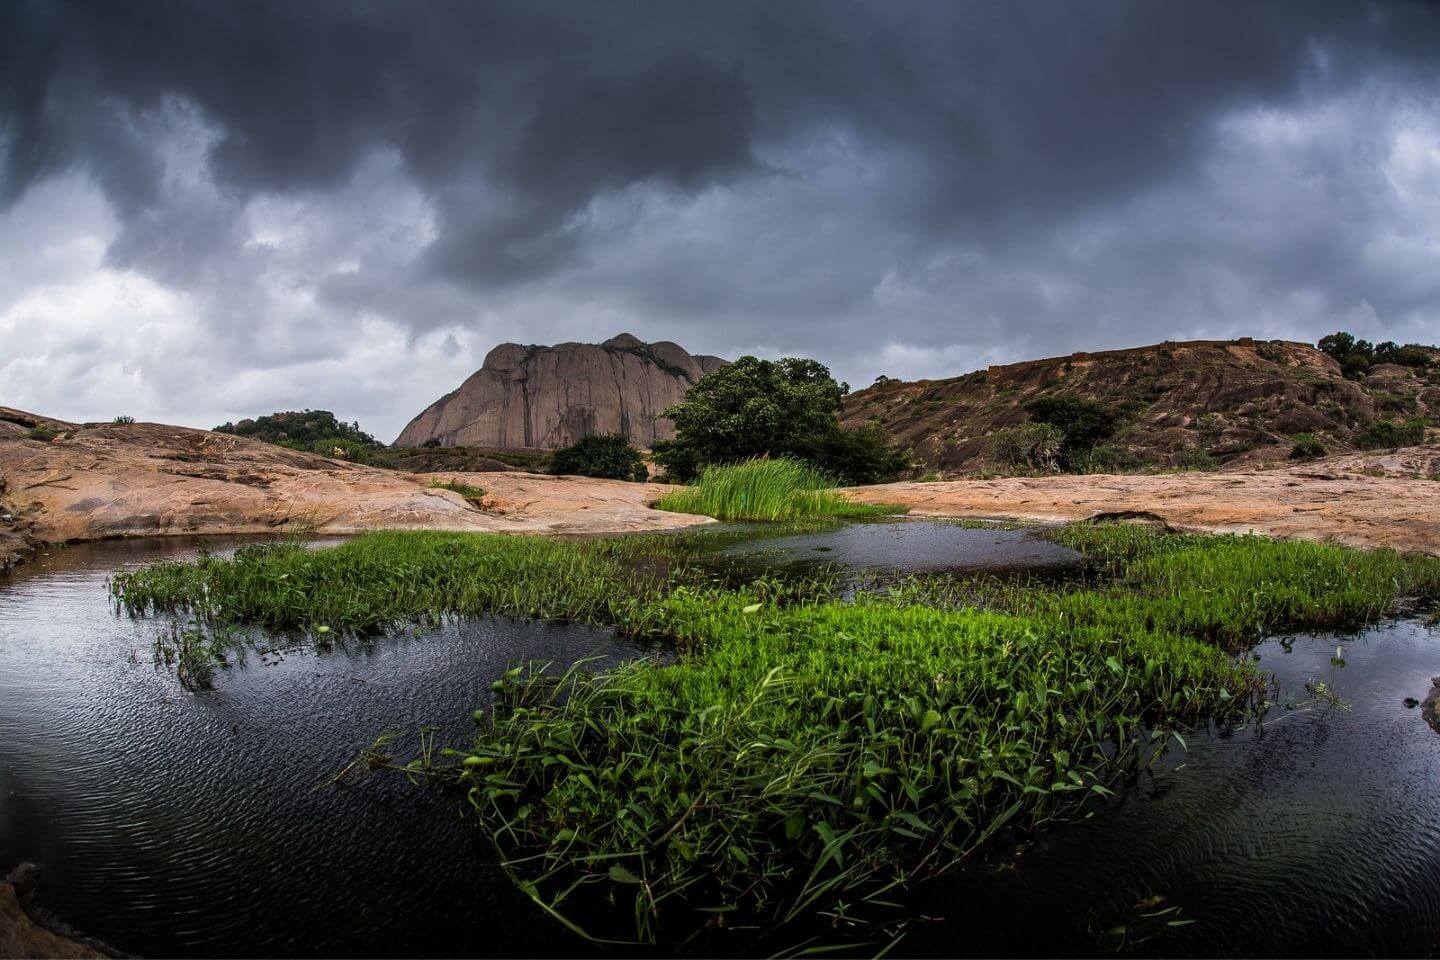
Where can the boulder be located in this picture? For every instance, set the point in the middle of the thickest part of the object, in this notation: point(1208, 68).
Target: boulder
point(549, 397)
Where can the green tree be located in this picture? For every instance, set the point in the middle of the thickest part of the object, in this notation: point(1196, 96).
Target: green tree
point(1083, 423)
point(299, 430)
point(772, 408)
point(605, 455)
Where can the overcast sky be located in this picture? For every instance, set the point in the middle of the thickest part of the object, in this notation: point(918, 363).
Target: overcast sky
point(212, 210)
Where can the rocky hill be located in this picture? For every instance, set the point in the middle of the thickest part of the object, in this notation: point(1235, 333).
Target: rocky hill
point(549, 397)
point(1196, 403)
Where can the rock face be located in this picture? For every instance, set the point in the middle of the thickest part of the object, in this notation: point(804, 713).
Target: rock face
point(71, 482)
point(549, 397)
point(1237, 402)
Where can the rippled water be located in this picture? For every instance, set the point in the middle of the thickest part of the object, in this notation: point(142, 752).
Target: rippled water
point(914, 546)
point(1316, 833)
point(170, 823)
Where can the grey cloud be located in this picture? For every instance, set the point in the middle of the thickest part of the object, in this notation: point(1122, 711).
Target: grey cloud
point(822, 177)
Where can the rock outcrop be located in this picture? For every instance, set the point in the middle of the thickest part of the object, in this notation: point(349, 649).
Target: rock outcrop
point(1381, 499)
point(549, 397)
point(71, 482)
point(1237, 403)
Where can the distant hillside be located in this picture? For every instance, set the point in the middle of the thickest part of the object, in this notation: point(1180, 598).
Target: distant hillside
point(549, 397)
point(1195, 404)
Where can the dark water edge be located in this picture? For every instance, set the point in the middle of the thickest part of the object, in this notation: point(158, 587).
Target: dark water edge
point(178, 824)
point(1313, 833)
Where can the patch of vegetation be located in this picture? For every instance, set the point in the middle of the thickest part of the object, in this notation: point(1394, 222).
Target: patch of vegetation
point(1083, 422)
point(1390, 434)
point(1195, 458)
point(471, 493)
point(1110, 458)
point(803, 756)
point(1029, 448)
point(123, 418)
point(43, 432)
point(779, 489)
point(762, 408)
point(1307, 447)
point(313, 431)
point(605, 455)
point(1356, 357)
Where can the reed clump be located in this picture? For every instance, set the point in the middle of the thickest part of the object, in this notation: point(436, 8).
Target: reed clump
point(771, 489)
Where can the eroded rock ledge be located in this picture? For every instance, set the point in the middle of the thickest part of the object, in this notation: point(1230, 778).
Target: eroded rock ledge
point(72, 482)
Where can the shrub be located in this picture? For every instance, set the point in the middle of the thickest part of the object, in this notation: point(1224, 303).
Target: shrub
point(605, 455)
point(341, 448)
point(1307, 447)
point(1389, 434)
point(1109, 458)
point(1035, 447)
point(42, 432)
point(1195, 458)
point(123, 419)
point(1083, 423)
point(298, 430)
point(763, 408)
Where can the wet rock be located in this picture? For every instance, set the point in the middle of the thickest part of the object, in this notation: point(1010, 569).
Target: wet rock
point(20, 935)
point(1430, 706)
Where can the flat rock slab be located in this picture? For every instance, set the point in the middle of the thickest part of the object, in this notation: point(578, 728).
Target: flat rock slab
point(1380, 500)
point(116, 480)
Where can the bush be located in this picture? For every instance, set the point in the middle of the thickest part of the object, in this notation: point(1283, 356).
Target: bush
point(42, 432)
point(123, 419)
point(763, 408)
point(341, 448)
point(1307, 447)
point(605, 455)
point(1410, 355)
point(1035, 447)
point(1195, 458)
point(1083, 423)
point(1109, 458)
point(1389, 434)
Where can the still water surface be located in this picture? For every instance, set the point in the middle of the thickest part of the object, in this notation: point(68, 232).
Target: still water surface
point(171, 823)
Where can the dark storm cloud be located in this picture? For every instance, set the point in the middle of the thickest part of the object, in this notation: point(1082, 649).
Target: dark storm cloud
point(998, 176)
point(1017, 111)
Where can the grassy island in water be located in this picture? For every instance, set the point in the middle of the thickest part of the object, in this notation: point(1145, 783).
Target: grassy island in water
point(803, 754)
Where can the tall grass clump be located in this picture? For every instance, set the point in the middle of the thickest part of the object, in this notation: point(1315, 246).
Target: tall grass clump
point(779, 488)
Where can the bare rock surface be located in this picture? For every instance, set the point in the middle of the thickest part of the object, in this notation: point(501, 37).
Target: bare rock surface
point(549, 397)
point(110, 480)
point(93, 481)
point(1362, 500)
point(1240, 403)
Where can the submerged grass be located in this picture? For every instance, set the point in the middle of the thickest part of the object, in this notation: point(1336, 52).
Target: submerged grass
point(803, 756)
point(780, 489)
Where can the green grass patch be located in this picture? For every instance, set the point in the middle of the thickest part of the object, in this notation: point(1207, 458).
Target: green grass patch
point(803, 756)
point(471, 493)
point(778, 489)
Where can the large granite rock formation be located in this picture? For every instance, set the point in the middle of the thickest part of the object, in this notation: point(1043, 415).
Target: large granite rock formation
point(549, 397)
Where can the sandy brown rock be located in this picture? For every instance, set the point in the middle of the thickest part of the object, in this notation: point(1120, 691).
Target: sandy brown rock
point(112, 480)
point(1238, 402)
point(1362, 500)
point(549, 397)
